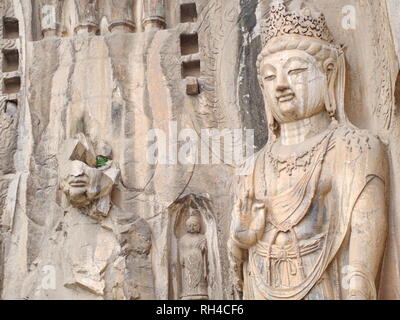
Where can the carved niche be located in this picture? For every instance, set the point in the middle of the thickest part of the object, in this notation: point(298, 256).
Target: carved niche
point(195, 268)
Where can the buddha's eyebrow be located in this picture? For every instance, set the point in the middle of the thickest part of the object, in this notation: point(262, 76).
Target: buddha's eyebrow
point(268, 66)
point(294, 59)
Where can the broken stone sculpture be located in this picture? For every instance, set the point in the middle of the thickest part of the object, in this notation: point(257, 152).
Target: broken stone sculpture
point(86, 178)
point(124, 129)
point(135, 239)
point(102, 252)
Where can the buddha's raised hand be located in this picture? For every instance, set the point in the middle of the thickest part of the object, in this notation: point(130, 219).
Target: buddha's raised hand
point(250, 219)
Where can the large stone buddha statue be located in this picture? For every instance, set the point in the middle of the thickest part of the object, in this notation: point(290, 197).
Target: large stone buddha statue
point(310, 218)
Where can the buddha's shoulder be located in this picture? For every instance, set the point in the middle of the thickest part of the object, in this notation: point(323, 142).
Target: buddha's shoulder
point(358, 140)
point(362, 147)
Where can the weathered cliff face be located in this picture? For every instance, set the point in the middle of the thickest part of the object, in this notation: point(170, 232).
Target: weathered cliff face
point(115, 75)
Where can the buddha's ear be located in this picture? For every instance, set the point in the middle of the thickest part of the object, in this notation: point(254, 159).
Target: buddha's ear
point(331, 70)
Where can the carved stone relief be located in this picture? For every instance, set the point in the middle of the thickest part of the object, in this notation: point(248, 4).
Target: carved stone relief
point(86, 16)
point(296, 225)
point(194, 251)
point(314, 217)
point(136, 246)
point(193, 260)
point(51, 17)
point(153, 14)
point(87, 178)
point(120, 15)
point(106, 251)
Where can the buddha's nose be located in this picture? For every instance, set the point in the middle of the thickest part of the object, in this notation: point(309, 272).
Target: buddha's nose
point(77, 169)
point(282, 82)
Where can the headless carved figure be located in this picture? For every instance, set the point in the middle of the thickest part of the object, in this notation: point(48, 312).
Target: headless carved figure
point(135, 238)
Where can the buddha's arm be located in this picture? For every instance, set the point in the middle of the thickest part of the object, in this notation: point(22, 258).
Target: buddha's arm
point(367, 240)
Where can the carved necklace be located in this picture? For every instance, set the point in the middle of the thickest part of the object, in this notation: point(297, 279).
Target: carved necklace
point(295, 160)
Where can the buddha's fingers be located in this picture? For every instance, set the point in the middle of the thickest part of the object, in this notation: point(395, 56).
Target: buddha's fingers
point(258, 205)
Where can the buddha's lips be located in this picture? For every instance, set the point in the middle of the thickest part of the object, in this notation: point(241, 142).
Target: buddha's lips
point(286, 97)
point(78, 183)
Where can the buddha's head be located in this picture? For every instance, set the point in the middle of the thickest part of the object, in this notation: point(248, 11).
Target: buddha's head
point(87, 176)
point(193, 224)
point(298, 65)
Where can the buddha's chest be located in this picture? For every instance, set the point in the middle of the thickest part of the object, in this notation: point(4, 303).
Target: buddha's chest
point(192, 245)
point(299, 201)
point(277, 184)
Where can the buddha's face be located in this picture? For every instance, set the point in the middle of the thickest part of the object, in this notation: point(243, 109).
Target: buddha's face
point(294, 85)
point(83, 184)
point(193, 225)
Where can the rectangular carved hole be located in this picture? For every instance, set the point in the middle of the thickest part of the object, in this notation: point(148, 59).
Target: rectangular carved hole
point(188, 12)
point(10, 60)
point(189, 44)
point(10, 28)
point(12, 85)
point(11, 107)
point(191, 69)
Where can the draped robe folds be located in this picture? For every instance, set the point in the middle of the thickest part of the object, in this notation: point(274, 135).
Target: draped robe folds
point(193, 256)
point(354, 159)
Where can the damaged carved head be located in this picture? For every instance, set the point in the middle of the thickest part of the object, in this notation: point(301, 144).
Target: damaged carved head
point(87, 175)
point(193, 222)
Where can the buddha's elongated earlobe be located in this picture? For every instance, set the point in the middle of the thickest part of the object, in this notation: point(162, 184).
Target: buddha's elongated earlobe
point(330, 68)
point(329, 105)
point(272, 126)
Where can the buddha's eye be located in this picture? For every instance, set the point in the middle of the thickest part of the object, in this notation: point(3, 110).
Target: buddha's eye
point(101, 161)
point(270, 77)
point(297, 71)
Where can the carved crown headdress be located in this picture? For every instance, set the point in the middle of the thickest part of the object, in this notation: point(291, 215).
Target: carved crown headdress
point(294, 17)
